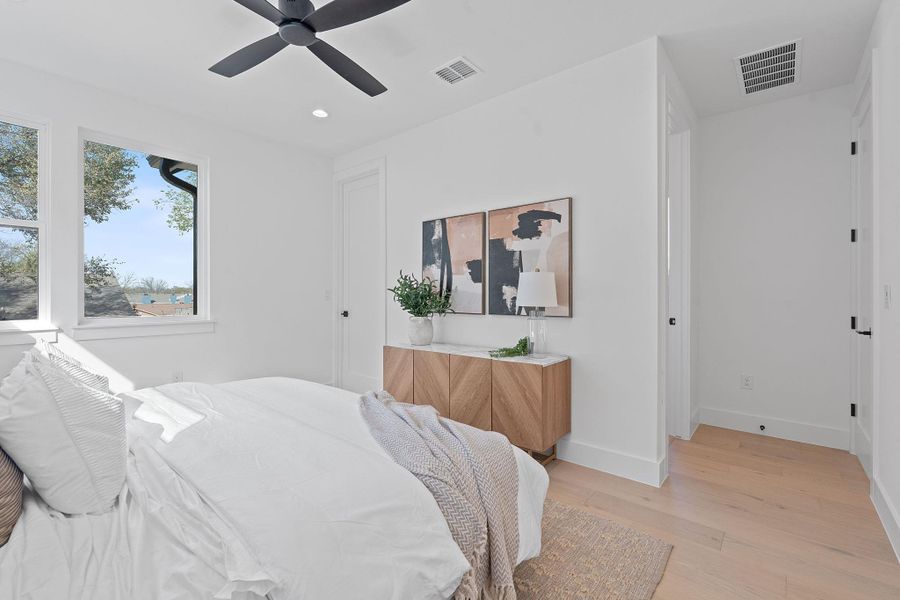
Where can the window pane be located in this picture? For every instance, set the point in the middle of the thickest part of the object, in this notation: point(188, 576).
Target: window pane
point(138, 234)
point(18, 274)
point(18, 172)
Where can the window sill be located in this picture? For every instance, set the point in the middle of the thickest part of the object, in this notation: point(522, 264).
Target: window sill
point(26, 333)
point(106, 329)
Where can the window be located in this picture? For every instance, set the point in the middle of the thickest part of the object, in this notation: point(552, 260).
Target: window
point(22, 273)
point(140, 233)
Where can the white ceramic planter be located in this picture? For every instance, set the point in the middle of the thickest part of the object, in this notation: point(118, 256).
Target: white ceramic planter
point(421, 331)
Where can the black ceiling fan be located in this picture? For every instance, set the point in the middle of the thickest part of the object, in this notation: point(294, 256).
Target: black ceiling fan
point(298, 23)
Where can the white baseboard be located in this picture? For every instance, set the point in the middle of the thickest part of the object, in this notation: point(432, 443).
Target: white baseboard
point(862, 440)
point(695, 422)
point(890, 518)
point(663, 470)
point(780, 428)
point(650, 472)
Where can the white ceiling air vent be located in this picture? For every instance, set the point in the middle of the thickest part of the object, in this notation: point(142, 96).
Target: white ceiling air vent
point(769, 68)
point(456, 71)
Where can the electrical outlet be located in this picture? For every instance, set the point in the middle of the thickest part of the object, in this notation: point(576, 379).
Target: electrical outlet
point(746, 382)
point(178, 376)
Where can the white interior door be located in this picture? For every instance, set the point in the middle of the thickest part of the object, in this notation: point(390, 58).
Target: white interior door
point(678, 409)
point(864, 287)
point(361, 286)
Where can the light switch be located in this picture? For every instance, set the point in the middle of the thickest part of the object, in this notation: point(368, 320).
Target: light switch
point(886, 295)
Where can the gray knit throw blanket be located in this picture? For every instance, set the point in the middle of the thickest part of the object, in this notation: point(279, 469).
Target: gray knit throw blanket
point(473, 477)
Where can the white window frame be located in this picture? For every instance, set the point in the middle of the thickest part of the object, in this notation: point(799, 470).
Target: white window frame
point(18, 331)
point(91, 328)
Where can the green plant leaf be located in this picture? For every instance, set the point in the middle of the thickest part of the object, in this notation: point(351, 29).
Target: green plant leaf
point(520, 349)
point(420, 298)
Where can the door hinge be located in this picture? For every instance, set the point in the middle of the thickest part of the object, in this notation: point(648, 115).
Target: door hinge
point(852, 235)
point(852, 148)
point(852, 322)
point(853, 409)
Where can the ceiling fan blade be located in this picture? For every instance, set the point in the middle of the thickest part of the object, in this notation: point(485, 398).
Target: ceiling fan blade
point(345, 12)
point(249, 57)
point(347, 69)
point(265, 10)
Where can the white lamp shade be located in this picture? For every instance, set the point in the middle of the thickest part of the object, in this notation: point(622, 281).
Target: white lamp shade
point(537, 289)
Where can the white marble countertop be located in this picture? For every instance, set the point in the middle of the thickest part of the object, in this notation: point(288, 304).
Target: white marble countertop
point(545, 360)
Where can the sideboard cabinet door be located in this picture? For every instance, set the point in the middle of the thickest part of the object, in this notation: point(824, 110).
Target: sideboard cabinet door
point(470, 391)
point(398, 373)
point(517, 403)
point(431, 380)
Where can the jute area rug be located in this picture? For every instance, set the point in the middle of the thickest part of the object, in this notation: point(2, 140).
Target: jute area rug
point(585, 557)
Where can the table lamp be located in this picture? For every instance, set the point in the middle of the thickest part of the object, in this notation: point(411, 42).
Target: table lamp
point(537, 291)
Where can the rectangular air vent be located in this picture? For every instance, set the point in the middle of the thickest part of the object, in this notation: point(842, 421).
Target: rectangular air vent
point(769, 68)
point(456, 71)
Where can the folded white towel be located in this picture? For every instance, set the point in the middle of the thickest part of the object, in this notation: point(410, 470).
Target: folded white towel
point(159, 409)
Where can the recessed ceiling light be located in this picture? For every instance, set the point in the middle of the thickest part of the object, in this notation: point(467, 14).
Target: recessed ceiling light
point(320, 113)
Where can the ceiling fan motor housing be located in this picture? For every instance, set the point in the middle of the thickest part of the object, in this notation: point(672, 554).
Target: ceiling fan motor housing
point(296, 9)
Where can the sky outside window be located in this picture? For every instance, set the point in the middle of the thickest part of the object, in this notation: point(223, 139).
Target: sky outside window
point(140, 238)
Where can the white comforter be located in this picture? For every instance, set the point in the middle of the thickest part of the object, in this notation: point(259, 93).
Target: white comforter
point(279, 491)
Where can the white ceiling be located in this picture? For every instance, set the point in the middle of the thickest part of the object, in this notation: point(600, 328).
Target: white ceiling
point(833, 33)
point(160, 51)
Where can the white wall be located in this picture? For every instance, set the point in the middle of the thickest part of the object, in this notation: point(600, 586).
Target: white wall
point(771, 268)
point(267, 255)
point(886, 102)
point(591, 133)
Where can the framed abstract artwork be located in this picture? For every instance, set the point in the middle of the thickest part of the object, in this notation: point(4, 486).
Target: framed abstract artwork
point(525, 238)
point(453, 257)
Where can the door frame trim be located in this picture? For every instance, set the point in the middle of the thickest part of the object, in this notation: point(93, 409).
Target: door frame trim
point(875, 84)
point(683, 411)
point(341, 179)
point(676, 117)
point(867, 99)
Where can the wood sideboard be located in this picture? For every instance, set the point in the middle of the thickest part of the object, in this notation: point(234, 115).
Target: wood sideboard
point(528, 399)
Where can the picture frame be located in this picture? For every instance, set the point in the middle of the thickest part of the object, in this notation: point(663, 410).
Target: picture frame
point(453, 256)
point(526, 237)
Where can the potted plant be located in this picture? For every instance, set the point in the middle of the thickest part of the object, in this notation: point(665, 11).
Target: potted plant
point(422, 300)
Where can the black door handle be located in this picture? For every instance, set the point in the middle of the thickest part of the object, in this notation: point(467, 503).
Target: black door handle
point(867, 332)
point(345, 314)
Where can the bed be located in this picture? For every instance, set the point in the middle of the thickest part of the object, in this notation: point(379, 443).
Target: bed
point(279, 492)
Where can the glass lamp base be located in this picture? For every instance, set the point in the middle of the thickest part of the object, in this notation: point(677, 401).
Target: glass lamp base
point(537, 332)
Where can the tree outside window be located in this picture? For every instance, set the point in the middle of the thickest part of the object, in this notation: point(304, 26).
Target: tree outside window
point(20, 229)
point(139, 220)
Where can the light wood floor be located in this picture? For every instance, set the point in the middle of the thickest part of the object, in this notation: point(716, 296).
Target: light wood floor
point(750, 517)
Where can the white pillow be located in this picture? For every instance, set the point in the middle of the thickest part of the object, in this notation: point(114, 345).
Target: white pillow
point(50, 350)
point(68, 438)
point(74, 368)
